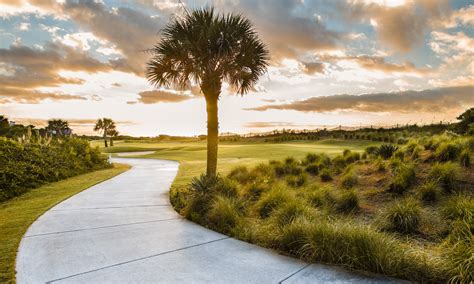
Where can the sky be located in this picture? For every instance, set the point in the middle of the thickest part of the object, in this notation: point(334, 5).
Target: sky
point(350, 63)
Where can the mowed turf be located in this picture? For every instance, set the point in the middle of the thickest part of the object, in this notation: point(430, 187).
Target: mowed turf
point(17, 214)
point(192, 155)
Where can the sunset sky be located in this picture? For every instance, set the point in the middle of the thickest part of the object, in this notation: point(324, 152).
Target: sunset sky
point(354, 62)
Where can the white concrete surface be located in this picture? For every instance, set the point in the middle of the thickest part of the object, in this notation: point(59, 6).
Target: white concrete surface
point(124, 230)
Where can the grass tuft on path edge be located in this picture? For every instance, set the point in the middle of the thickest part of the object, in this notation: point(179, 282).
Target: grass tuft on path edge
point(17, 214)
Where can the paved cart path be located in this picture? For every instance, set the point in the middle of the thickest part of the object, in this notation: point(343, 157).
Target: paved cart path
point(124, 230)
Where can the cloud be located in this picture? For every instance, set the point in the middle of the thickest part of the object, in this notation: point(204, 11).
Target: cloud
point(430, 101)
point(26, 69)
point(130, 31)
point(463, 16)
point(30, 67)
point(12, 95)
point(400, 27)
point(161, 96)
point(379, 64)
point(311, 68)
point(289, 27)
point(262, 124)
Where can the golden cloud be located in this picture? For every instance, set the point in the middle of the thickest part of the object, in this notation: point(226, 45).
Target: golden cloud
point(428, 101)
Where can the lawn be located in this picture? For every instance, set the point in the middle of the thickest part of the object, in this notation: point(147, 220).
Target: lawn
point(17, 214)
point(192, 155)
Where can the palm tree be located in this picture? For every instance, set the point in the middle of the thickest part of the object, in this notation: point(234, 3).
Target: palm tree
point(113, 133)
point(206, 48)
point(104, 126)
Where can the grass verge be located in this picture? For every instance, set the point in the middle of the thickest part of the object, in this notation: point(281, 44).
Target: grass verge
point(17, 214)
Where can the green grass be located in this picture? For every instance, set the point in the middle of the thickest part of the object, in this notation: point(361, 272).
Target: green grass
point(17, 214)
point(192, 155)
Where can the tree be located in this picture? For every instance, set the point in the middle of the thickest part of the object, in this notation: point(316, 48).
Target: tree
point(4, 125)
point(113, 133)
point(104, 126)
point(205, 48)
point(466, 119)
point(58, 127)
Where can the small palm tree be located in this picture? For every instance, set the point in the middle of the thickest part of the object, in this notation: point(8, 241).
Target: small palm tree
point(206, 48)
point(113, 133)
point(104, 126)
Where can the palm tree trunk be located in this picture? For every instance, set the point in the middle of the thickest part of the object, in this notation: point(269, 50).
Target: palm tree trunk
point(111, 142)
point(105, 141)
point(212, 135)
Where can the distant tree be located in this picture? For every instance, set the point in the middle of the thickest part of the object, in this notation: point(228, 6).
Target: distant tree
point(58, 127)
point(207, 48)
point(466, 119)
point(113, 133)
point(4, 125)
point(104, 126)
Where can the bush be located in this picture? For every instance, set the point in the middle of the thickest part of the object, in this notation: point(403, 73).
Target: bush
point(403, 216)
point(240, 174)
point(371, 150)
point(291, 210)
point(349, 179)
point(223, 214)
point(271, 200)
point(311, 158)
point(403, 179)
point(386, 150)
point(429, 192)
point(290, 167)
point(459, 208)
point(445, 174)
point(459, 253)
point(204, 183)
point(360, 247)
point(297, 180)
point(326, 175)
point(348, 201)
point(28, 165)
point(320, 197)
point(312, 169)
point(447, 151)
point(465, 159)
point(226, 187)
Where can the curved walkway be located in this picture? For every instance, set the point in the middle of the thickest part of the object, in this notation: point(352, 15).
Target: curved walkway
point(124, 230)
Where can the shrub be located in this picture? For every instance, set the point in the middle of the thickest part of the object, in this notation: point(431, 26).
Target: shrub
point(255, 190)
point(311, 158)
point(352, 157)
point(339, 162)
point(291, 210)
point(386, 150)
point(349, 179)
point(204, 183)
point(24, 166)
point(447, 151)
point(465, 158)
point(290, 167)
point(272, 199)
point(371, 150)
point(459, 208)
point(223, 214)
point(293, 236)
point(403, 179)
point(312, 169)
point(320, 197)
point(429, 192)
point(360, 247)
point(403, 216)
point(348, 201)
point(240, 174)
point(459, 252)
point(445, 174)
point(296, 180)
point(226, 187)
point(326, 175)
point(346, 152)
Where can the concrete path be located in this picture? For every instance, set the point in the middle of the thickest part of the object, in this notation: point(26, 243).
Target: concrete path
point(124, 230)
